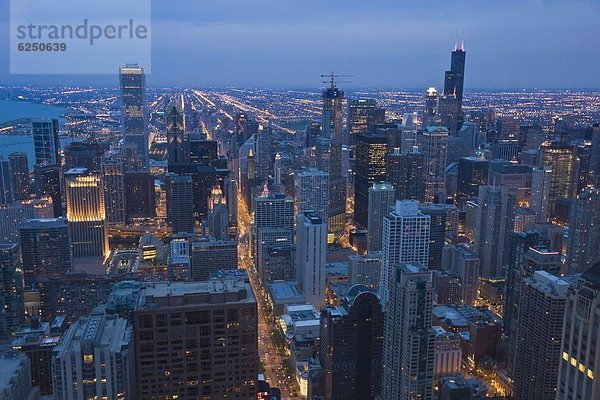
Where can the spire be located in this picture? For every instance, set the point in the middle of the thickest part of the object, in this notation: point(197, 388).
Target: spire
point(462, 44)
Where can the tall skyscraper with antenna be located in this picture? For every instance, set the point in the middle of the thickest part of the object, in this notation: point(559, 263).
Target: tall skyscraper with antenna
point(451, 101)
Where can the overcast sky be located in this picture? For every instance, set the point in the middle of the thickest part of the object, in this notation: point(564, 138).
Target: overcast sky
point(395, 43)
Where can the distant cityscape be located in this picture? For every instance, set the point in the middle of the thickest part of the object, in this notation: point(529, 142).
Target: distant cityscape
point(322, 244)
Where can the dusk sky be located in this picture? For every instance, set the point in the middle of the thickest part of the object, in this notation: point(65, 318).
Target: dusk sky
point(394, 44)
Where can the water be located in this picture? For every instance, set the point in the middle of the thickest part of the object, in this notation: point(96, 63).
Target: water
point(11, 110)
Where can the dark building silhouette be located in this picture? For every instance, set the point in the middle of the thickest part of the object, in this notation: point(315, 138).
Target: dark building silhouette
point(405, 172)
point(19, 169)
point(48, 182)
point(371, 159)
point(140, 195)
point(84, 155)
point(180, 203)
point(351, 346)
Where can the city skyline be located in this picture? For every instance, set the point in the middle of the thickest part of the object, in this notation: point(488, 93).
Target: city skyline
point(382, 44)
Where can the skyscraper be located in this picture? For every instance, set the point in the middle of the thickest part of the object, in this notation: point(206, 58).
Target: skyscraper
point(86, 214)
point(430, 114)
point(48, 183)
point(139, 189)
point(6, 190)
point(311, 242)
point(361, 117)
point(312, 192)
point(371, 162)
point(463, 262)
point(178, 142)
point(95, 359)
point(472, 173)
point(84, 155)
point(409, 341)
point(351, 340)
point(454, 81)
point(437, 232)
point(494, 216)
point(113, 175)
point(564, 162)
point(263, 151)
point(45, 141)
point(19, 167)
point(46, 248)
point(541, 182)
point(543, 301)
point(381, 200)
point(434, 146)
point(180, 213)
point(580, 356)
point(134, 109)
point(274, 210)
point(332, 133)
point(218, 216)
point(405, 172)
point(210, 366)
point(583, 250)
point(405, 240)
point(11, 290)
point(210, 255)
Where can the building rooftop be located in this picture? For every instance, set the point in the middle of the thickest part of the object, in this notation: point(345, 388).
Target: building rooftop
point(283, 291)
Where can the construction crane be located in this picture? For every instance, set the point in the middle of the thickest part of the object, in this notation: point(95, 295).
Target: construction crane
point(333, 78)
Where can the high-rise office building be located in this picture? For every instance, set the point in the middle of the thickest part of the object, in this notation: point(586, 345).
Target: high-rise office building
point(210, 366)
point(113, 179)
point(83, 155)
point(19, 167)
point(274, 210)
point(361, 117)
point(430, 114)
point(365, 269)
point(86, 214)
point(312, 192)
point(409, 341)
point(541, 182)
point(434, 146)
point(405, 172)
point(583, 249)
point(134, 109)
point(494, 216)
point(180, 213)
point(95, 359)
point(371, 163)
point(266, 240)
point(277, 170)
point(330, 159)
point(218, 216)
point(12, 216)
point(48, 182)
point(472, 173)
point(139, 189)
point(382, 198)
point(449, 110)
point(262, 144)
point(564, 162)
point(210, 255)
point(580, 356)
point(311, 244)
point(6, 190)
point(11, 290)
point(312, 132)
point(437, 232)
point(45, 141)
point(543, 301)
point(462, 261)
point(405, 240)
point(45, 248)
point(178, 141)
point(455, 77)
point(351, 340)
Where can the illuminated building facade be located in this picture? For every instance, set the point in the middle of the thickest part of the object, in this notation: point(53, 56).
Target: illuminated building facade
point(312, 192)
point(19, 168)
point(381, 200)
point(361, 117)
point(86, 214)
point(114, 192)
point(11, 289)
